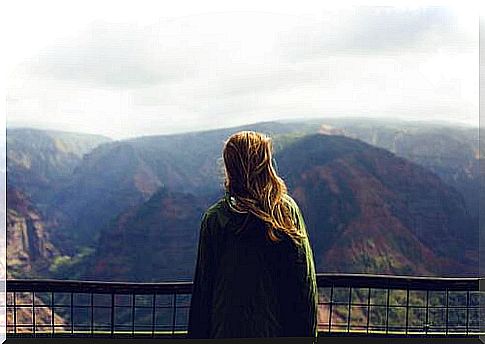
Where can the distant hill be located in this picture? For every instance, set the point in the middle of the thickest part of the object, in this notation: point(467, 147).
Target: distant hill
point(451, 151)
point(366, 210)
point(155, 241)
point(92, 191)
point(122, 174)
point(39, 160)
point(38, 164)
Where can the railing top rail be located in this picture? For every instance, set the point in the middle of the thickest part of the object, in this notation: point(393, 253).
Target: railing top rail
point(323, 280)
point(98, 287)
point(398, 282)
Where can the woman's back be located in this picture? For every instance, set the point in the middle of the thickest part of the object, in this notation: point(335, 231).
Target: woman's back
point(259, 287)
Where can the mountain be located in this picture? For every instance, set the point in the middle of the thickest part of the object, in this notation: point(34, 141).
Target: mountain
point(450, 151)
point(38, 161)
point(153, 241)
point(367, 210)
point(123, 174)
point(29, 247)
point(85, 191)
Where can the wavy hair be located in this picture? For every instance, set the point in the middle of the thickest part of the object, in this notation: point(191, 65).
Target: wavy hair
point(251, 181)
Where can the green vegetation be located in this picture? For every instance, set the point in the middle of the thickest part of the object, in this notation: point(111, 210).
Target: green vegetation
point(66, 267)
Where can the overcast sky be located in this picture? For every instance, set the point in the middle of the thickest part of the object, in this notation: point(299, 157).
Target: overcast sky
point(125, 71)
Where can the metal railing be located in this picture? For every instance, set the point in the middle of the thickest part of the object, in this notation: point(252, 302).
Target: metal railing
point(400, 305)
point(349, 304)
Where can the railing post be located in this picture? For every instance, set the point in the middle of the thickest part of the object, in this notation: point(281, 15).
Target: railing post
point(72, 313)
point(350, 306)
point(112, 314)
point(446, 295)
point(426, 325)
point(92, 314)
point(407, 310)
point(467, 310)
point(33, 311)
point(14, 312)
point(52, 313)
point(330, 313)
point(368, 309)
point(133, 304)
point(387, 310)
point(174, 311)
point(153, 313)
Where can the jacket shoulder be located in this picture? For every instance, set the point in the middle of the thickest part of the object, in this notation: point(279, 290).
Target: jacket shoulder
point(215, 208)
point(216, 214)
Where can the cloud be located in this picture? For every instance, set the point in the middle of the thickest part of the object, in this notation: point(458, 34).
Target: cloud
point(136, 55)
point(119, 55)
point(369, 30)
point(202, 71)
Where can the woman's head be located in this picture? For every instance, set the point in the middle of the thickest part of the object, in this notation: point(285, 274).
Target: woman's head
point(251, 178)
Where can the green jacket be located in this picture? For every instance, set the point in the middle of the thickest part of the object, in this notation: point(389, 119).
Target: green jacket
point(248, 286)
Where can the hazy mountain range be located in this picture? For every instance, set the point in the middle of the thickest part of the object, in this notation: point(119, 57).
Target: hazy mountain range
point(377, 196)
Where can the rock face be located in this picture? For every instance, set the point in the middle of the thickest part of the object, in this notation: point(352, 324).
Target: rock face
point(370, 211)
point(449, 151)
point(29, 248)
point(29, 254)
point(39, 164)
point(165, 226)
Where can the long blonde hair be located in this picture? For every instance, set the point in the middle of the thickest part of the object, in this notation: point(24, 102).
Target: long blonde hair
point(251, 179)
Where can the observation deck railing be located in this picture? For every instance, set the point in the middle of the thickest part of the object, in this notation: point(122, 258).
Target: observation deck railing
point(349, 304)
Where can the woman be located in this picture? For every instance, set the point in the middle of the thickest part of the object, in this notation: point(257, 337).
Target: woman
point(255, 274)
